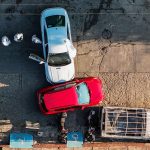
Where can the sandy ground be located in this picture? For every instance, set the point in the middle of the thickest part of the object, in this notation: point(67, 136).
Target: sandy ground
point(123, 68)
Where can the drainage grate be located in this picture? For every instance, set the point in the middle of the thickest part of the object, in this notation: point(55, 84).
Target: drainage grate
point(125, 122)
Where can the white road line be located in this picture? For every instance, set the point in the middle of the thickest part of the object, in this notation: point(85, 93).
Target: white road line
point(28, 14)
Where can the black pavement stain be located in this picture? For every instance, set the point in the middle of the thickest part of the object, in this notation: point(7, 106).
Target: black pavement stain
point(18, 1)
point(1, 1)
point(21, 12)
point(64, 2)
point(91, 20)
point(13, 9)
point(146, 20)
point(146, 4)
point(9, 18)
point(108, 3)
point(104, 49)
point(10, 9)
point(131, 1)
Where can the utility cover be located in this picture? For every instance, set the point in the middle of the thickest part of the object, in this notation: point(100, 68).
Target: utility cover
point(74, 139)
point(21, 140)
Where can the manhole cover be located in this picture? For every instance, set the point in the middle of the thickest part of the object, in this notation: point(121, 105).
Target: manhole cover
point(106, 34)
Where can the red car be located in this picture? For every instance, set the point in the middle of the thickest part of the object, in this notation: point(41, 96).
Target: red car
point(75, 94)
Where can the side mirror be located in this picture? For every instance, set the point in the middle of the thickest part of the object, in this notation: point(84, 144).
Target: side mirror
point(72, 50)
point(37, 58)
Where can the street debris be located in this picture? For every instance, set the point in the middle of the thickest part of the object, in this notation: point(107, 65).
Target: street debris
point(89, 135)
point(36, 40)
point(6, 41)
point(36, 58)
point(5, 126)
point(63, 135)
point(62, 138)
point(30, 125)
point(40, 134)
point(92, 112)
point(62, 121)
point(18, 37)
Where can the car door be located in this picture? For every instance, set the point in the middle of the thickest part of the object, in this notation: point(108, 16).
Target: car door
point(45, 44)
point(71, 49)
point(42, 32)
point(68, 33)
point(68, 28)
point(45, 47)
point(69, 108)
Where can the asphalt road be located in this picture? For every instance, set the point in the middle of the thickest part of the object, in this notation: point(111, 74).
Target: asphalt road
point(20, 77)
point(99, 54)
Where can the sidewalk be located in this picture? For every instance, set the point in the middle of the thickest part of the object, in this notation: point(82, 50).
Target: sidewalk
point(95, 146)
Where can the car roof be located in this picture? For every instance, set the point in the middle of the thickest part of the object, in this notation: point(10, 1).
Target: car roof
point(60, 99)
point(57, 48)
point(57, 40)
point(56, 35)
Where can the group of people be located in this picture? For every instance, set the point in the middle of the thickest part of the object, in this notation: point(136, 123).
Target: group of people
point(18, 37)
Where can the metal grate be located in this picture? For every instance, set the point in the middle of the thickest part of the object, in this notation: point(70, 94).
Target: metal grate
point(125, 122)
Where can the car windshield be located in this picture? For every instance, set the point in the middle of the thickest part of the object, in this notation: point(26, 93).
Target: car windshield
point(83, 93)
point(55, 21)
point(60, 59)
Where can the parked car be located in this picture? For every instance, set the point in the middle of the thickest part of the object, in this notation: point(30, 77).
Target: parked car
point(58, 49)
point(69, 96)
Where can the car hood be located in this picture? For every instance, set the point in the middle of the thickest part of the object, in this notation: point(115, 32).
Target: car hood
point(61, 99)
point(61, 74)
point(95, 88)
